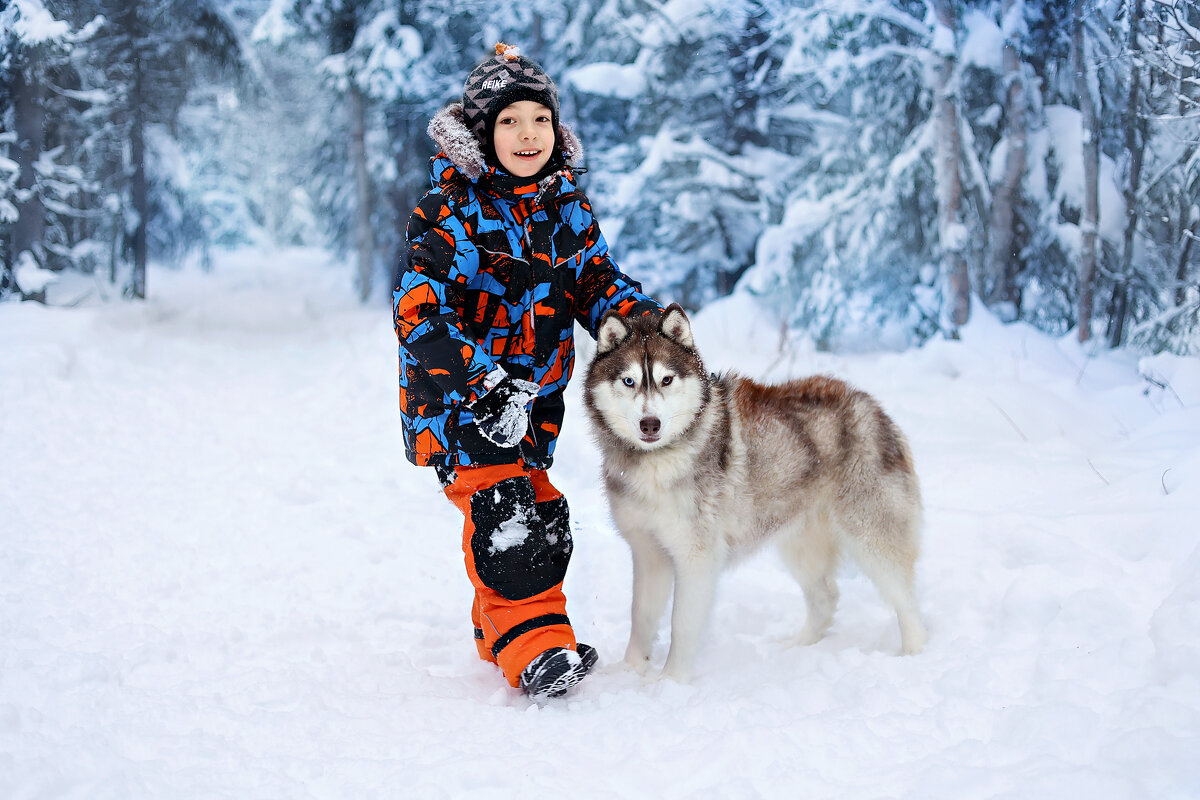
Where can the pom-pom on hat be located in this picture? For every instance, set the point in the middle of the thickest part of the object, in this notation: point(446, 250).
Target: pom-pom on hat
point(499, 81)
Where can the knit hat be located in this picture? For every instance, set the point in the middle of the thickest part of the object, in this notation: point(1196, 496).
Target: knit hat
point(498, 82)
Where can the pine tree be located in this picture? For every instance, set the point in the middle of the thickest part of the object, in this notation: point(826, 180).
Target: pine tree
point(42, 192)
point(1090, 223)
point(137, 56)
point(694, 164)
point(371, 49)
point(9, 172)
point(1136, 130)
point(1161, 283)
point(1002, 291)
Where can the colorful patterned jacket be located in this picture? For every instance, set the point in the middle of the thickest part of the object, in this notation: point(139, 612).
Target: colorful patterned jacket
point(497, 271)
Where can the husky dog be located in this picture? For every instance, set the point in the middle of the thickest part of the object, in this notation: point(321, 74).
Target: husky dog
point(701, 469)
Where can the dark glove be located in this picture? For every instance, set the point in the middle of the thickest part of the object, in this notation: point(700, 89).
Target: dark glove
point(502, 415)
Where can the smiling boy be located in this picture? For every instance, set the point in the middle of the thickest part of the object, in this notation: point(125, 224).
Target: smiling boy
point(504, 256)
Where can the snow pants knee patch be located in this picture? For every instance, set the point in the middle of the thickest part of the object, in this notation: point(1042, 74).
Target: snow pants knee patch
point(521, 547)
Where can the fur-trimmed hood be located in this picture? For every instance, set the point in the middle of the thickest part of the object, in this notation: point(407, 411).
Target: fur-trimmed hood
point(450, 133)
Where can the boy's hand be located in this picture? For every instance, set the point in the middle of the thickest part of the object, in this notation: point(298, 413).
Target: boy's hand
point(502, 415)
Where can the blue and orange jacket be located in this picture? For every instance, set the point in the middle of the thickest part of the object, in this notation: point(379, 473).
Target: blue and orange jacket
point(497, 271)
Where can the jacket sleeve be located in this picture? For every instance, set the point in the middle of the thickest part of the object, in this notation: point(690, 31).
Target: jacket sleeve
point(438, 262)
point(600, 285)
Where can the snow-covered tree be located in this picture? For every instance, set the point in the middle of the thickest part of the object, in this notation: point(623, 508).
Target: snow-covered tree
point(1159, 277)
point(855, 246)
point(1090, 223)
point(1000, 287)
point(40, 190)
point(9, 172)
point(370, 49)
point(136, 57)
point(952, 233)
point(688, 171)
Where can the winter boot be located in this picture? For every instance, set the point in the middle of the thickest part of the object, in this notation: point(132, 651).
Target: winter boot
point(554, 671)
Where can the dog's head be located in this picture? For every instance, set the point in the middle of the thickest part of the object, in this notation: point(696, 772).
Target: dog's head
point(647, 385)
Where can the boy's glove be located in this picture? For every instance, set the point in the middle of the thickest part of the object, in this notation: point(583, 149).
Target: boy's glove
point(502, 415)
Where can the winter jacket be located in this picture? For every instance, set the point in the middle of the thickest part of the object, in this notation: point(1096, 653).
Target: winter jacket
point(497, 269)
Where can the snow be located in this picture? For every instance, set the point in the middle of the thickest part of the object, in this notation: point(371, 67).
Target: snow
point(31, 278)
point(942, 41)
point(512, 533)
point(273, 26)
point(955, 237)
point(983, 43)
point(1064, 133)
point(606, 79)
point(34, 24)
point(221, 579)
point(1013, 22)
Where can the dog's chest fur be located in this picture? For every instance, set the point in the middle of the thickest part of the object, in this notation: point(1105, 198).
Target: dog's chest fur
point(683, 494)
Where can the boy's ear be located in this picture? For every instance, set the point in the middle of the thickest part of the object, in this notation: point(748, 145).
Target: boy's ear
point(675, 326)
point(613, 330)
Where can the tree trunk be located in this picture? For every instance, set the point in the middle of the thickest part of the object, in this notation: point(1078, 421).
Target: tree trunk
point(1192, 224)
point(1002, 267)
point(364, 237)
point(1089, 225)
point(951, 232)
point(138, 194)
point(406, 130)
point(1135, 147)
point(29, 230)
point(8, 282)
point(745, 59)
point(1189, 217)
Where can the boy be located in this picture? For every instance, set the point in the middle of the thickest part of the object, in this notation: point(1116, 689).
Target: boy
point(503, 257)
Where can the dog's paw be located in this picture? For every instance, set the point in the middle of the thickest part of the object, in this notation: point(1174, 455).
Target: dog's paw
point(675, 675)
point(912, 635)
point(914, 643)
point(638, 663)
point(808, 637)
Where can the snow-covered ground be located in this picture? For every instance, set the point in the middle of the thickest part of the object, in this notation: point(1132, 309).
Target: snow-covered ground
point(220, 577)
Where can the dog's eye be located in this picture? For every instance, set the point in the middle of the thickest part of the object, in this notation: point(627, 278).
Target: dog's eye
point(667, 380)
point(628, 381)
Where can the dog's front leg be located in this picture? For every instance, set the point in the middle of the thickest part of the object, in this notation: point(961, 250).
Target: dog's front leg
point(651, 586)
point(695, 584)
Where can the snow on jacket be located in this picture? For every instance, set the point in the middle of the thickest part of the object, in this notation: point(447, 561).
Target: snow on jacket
point(497, 270)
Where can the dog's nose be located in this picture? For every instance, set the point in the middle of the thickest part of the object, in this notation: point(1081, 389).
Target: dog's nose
point(650, 426)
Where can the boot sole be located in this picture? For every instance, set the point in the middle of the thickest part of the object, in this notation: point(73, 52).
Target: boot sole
point(560, 674)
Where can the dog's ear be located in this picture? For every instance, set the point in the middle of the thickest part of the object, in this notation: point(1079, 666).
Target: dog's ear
point(613, 330)
point(675, 326)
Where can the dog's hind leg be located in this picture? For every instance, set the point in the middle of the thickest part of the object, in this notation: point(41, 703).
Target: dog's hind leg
point(890, 563)
point(651, 586)
point(811, 555)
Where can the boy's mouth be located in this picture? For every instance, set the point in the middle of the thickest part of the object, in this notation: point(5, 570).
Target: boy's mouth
point(528, 155)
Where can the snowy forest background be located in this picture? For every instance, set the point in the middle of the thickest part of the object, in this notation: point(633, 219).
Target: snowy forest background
point(870, 170)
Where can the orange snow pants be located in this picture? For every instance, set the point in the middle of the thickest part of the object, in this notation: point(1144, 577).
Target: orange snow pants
point(517, 543)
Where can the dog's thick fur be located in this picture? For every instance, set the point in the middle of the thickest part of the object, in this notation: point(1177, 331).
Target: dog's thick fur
point(702, 469)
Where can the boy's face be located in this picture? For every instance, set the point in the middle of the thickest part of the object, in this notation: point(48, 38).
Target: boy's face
point(524, 138)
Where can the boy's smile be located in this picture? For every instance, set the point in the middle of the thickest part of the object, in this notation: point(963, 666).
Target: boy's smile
point(523, 138)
